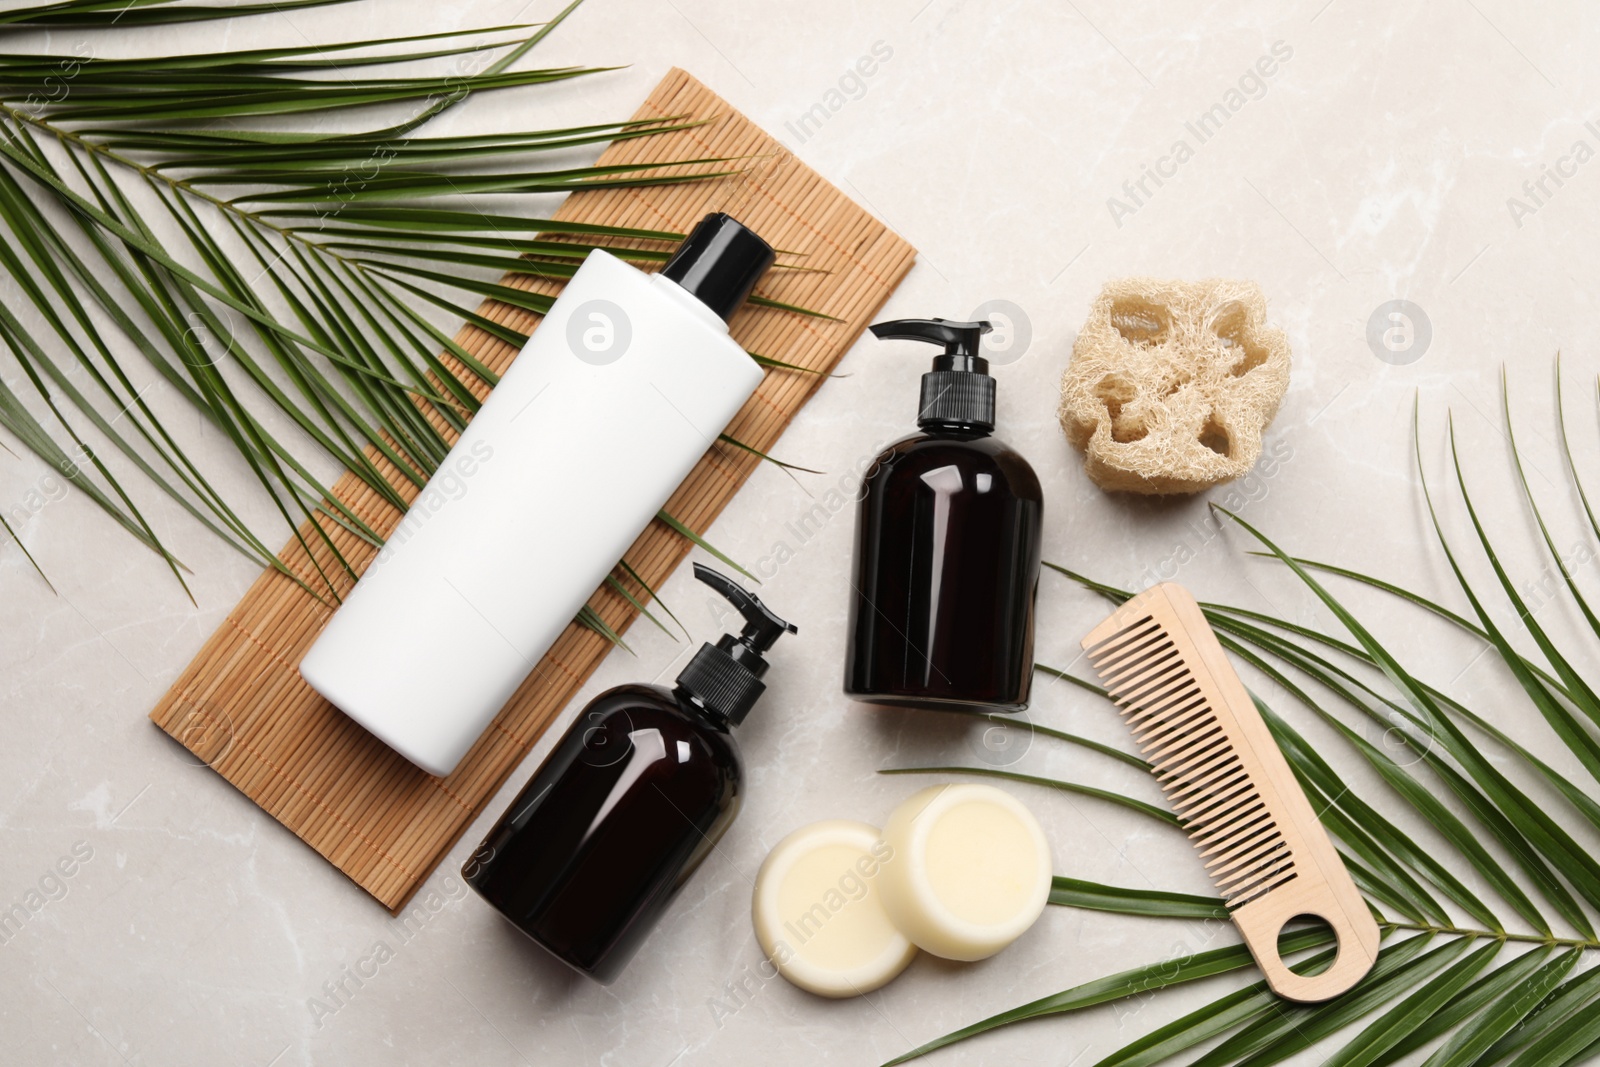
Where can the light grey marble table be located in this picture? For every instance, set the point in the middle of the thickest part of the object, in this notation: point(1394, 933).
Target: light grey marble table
point(1396, 151)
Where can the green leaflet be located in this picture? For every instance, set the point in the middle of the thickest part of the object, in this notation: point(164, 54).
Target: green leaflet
point(1474, 999)
point(1289, 1028)
point(1076, 893)
point(1158, 813)
point(1404, 1018)
point(1514, 1000)
point(1138, 981)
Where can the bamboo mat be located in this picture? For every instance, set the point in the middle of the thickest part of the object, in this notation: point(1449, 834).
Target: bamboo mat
point(241, 705)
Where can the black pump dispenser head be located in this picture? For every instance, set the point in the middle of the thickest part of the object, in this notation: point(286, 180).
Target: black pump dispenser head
point(725, 677)
point(719, 263)
point(958, 392)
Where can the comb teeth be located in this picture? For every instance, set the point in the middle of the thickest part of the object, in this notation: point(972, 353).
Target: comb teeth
point(1210, 790)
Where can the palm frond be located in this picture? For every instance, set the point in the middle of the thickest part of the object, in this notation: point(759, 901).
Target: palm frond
point(269, 274)
point(97, 14)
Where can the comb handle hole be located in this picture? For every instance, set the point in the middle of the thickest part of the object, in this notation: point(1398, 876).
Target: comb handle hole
point(1317, 960)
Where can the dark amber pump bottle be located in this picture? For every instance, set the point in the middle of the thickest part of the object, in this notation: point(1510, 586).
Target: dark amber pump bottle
point(947, 546)
point(633, 797)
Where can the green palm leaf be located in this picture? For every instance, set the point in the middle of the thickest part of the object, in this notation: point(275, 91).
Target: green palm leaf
point(267, 273)
point(1138, 980)
point(98, 13)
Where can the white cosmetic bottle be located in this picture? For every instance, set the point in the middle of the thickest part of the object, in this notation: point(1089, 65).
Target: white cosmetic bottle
point(620, 390)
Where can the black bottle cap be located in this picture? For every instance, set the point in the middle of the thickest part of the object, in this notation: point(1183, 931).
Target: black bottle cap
point(719, 263)
point(725, 678)
point(958, 392)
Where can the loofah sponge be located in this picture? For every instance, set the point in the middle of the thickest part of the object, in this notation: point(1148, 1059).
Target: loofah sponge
point(1172, 383)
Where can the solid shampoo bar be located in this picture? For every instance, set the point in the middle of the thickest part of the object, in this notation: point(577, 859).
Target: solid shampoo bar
point(968, 870)
point(819, 915)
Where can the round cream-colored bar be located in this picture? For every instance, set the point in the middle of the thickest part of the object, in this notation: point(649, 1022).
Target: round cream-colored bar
point(818, 913)
point(969, 870)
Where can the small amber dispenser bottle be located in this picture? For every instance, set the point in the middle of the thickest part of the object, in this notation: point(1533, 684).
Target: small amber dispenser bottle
point(947, 546)
point(630, 801)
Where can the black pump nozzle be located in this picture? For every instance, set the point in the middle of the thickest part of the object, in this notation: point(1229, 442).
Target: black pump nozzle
point(958, 392)
point(960, 340)
point(725, 678)
point(761, 627)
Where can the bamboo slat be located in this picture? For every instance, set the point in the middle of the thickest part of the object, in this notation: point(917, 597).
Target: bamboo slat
point(241, 705)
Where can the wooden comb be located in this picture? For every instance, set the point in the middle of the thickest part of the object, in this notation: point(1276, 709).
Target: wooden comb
point(1226, 779)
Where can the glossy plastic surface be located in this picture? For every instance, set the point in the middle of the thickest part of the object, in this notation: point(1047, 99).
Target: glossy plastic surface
point(945, 573)
point(511, 537)
point(626, 806)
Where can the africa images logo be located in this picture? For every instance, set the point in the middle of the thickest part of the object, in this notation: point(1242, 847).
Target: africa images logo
point(1251, 85)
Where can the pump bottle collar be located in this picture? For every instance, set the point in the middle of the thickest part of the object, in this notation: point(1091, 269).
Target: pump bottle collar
point(958, 392)
point(726, 677)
